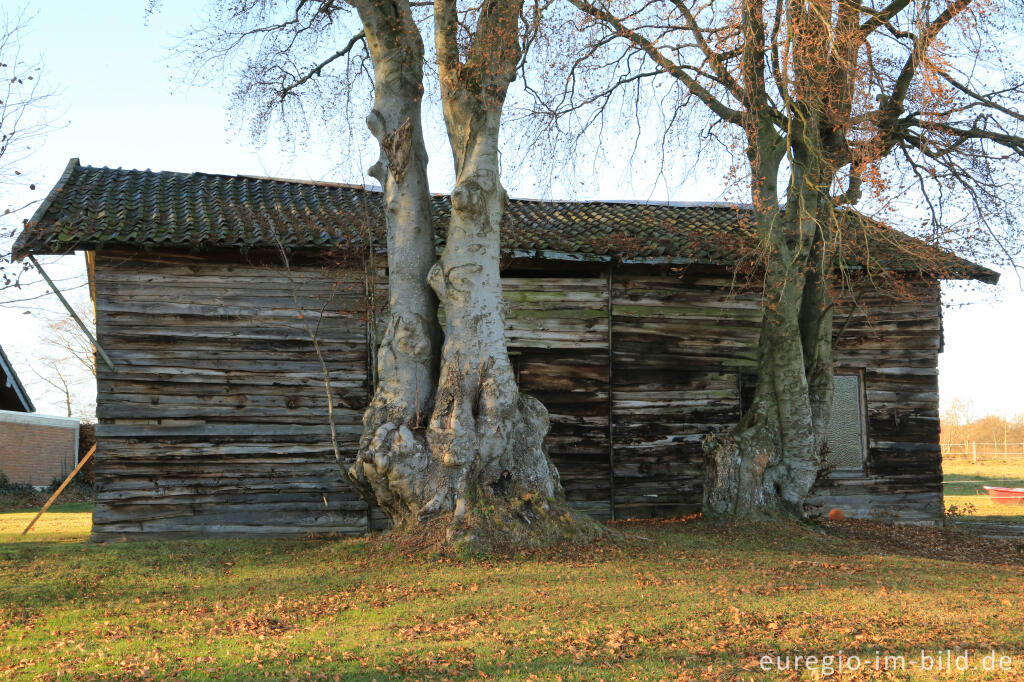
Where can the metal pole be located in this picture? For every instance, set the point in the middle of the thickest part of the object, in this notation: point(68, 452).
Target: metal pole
point(67, 306)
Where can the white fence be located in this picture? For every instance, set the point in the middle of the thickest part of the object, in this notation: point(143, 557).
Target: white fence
point(983, 451)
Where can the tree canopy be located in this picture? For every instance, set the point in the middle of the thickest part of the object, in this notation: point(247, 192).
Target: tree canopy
point(915, 104)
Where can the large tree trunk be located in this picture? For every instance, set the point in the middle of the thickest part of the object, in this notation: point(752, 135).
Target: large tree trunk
point(392, 451)
point(488, 435)
point(492, 475)
point(768, 465)
point(770, 462)
point(478, 463)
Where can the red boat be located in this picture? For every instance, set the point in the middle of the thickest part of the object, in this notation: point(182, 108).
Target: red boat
point(1005, 495)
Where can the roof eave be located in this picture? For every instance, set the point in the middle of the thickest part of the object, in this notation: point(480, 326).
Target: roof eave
point(584, 257)
point(21, 248)
point(985, 275)
point(969, 272)
point(19, 388)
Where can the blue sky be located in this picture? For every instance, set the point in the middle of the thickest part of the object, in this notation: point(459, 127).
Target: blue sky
point(122, 109)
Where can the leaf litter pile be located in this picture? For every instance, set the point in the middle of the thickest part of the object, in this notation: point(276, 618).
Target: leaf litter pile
point(934, 543)
point(668, 599)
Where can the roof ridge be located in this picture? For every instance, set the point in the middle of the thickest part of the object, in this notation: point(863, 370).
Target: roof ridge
point(228, 176)
point(295, 181)
point(640, 202)
point(438, 195)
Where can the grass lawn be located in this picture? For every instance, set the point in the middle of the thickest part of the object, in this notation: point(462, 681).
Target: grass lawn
point(963, 488)
point(60, 523)
point(671, 600)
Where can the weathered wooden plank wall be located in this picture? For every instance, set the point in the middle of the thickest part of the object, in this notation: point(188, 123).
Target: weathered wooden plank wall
point(557, 333)
point(677, 346)
point(215, 419)
point(684, 344)
point(896, 341)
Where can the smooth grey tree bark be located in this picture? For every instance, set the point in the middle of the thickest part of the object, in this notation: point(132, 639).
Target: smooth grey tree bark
point(487, 436)
point(448, 435)
point(392, 465)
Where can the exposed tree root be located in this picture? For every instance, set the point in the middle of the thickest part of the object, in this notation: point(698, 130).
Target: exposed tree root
point(498, 526)
point(476, 505)
point(746, 477)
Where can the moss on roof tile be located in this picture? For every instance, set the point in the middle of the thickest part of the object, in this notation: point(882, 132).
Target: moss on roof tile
point(93, 208)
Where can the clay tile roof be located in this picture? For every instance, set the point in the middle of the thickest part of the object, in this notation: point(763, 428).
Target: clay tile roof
point(90, 208)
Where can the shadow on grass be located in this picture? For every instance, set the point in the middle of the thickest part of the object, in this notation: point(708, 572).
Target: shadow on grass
point(711, 597)
point(233, 569)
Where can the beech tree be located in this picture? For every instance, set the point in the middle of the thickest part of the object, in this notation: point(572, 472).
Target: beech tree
point(447, 435)
point(407, 361)
point(484, 441)
point(488, 434)
point(831, 104)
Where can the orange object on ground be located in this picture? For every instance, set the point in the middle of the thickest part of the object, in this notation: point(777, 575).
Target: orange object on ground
point(1005, 495)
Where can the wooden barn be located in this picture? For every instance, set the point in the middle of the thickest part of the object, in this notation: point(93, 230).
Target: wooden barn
point(625, 319)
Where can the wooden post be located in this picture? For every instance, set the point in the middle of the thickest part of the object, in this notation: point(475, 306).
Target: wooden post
point(71, 311)
point(974, 453)
point(63, 485)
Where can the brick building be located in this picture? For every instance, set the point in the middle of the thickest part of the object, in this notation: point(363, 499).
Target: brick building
point(34, 448)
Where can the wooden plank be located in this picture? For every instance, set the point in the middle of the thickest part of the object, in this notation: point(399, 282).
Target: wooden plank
point(60, 489)
point(217, 352)
point(217, 429)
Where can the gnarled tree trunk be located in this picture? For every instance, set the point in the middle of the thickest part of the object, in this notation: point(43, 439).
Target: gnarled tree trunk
point(497, 480)
point(768, 465)
point(479, 461)
point(391, 467)
point(770, 462)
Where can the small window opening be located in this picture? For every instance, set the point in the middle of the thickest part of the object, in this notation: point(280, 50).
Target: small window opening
point(846, 429)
